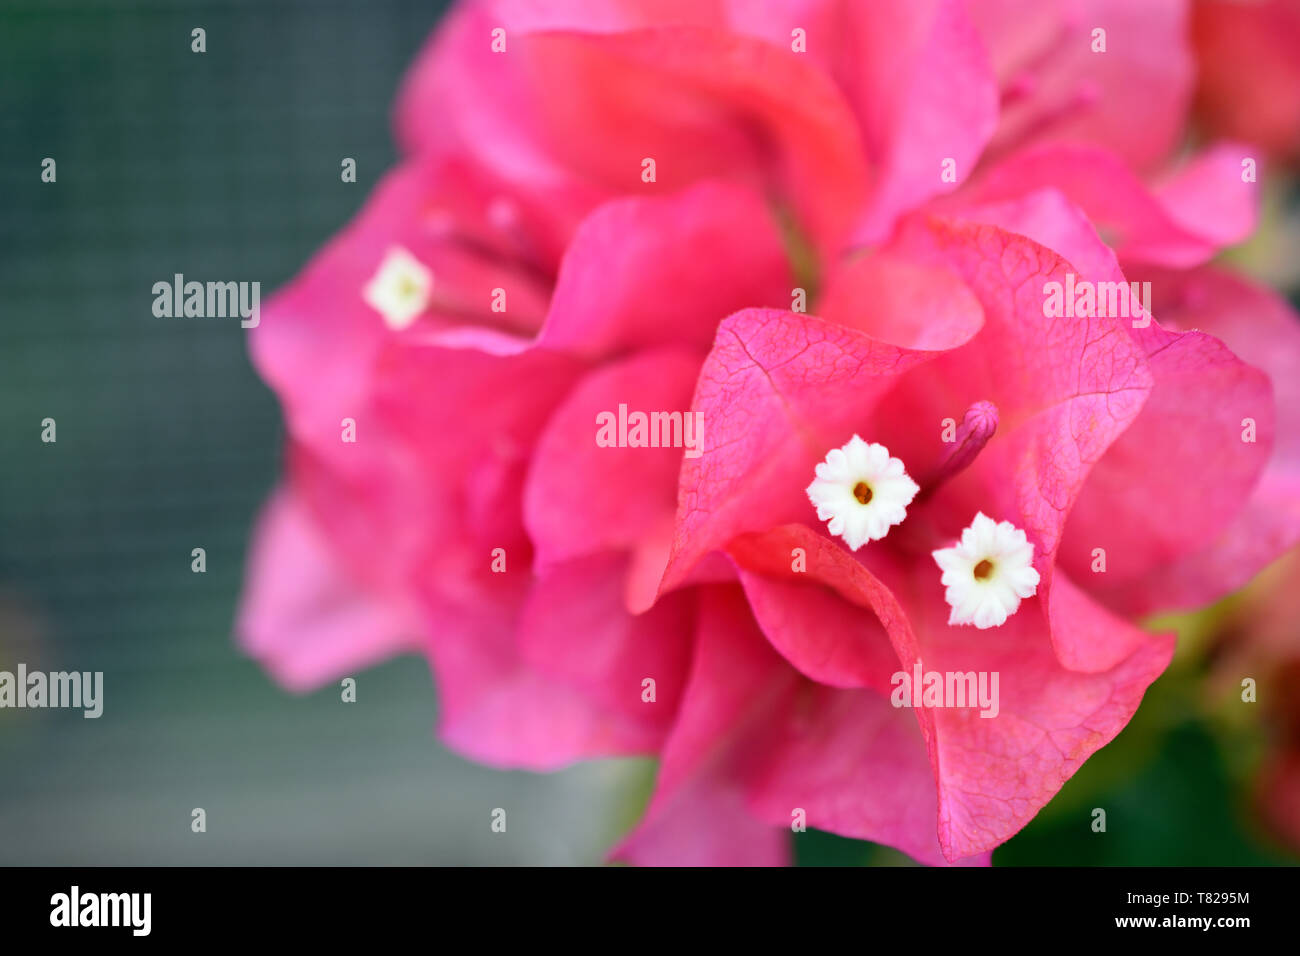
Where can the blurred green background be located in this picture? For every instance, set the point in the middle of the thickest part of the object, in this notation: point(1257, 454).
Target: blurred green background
point(225, 165)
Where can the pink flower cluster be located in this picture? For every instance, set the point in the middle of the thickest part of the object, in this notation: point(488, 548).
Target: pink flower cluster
point(801, 222)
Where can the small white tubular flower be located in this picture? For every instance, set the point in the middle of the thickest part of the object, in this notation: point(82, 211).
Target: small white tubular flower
point(400, 288)
point(861, 492)
point(987, 573)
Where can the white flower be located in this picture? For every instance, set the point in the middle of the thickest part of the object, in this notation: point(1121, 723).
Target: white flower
point(400, 288)
point(987, 573)
point(861, 492)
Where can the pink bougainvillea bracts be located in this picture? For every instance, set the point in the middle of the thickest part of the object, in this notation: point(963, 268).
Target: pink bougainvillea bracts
point(788, 225)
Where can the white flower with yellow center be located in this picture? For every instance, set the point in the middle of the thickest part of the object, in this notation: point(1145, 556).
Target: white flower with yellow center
point(861, 492)
point(400, 288)
point(987, 573)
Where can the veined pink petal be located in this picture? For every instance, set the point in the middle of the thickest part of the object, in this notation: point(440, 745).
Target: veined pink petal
point(1056, 421)
point(1064, 390)
point(991, 774)
point(994, 773)
point(901, 302)
point(776, 392)
point(1137, 512)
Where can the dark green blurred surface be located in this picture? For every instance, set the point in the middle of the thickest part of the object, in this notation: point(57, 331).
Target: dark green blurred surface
point(225, 166)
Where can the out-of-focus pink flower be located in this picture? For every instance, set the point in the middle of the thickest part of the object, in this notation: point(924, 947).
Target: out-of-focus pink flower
point(520, 277)
point(1248, 64)
point(1113, 73)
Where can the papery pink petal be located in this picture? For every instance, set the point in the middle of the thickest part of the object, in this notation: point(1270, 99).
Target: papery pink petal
point(778, 390)
point(1263, 330)
point(430, 485)
point(1200, 209)
point(991, 774)
point(925, 94)
point(856, 769)
point(468, 421)
point(857, 766)
point(1088, 637)
point(318, 341)
point(703, 104)
point(916, 75)
point(697, 815)
point(823, 636)
point(1257, 324)
point(649, 558)
point(995, 773)
point(905, 303)
point(1142, 506)
point(833, 620)
point(575, 629)
point(1064, 390)
point(1138, 513)
point(496, 708)
point(1048, 217)
point(462, 99)
point(363, 504)
point(580, 497)
point(710, 825)
point(303, 614)
point(464, 423)
point(1209, 197)
point(711, 249)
